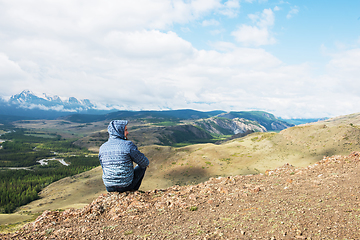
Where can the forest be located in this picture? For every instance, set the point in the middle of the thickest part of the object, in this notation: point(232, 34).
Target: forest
point(21, 175)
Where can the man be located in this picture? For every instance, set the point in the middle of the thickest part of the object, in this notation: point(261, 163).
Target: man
point(116, 158)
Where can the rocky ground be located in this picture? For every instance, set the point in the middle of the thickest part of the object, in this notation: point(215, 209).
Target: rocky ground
point(317, 202)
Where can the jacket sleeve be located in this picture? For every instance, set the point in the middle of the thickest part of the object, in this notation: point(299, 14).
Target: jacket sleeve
point(138, 157)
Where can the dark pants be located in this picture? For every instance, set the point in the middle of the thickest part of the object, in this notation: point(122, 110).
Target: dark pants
point(135, 185)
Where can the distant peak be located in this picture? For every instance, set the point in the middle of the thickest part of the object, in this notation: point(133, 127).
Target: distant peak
point(45, 101)
point(26, 92)
point(51, 97)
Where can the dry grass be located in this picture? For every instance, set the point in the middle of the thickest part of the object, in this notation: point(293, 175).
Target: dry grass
point(64, 128)
point(299, 146)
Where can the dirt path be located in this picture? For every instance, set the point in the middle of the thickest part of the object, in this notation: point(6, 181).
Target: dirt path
point(317, 202)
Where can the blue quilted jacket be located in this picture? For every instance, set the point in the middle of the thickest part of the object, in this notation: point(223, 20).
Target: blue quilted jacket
point(117, 156)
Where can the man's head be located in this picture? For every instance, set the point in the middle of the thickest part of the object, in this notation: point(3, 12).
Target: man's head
point(126, 133)
point(118, 129)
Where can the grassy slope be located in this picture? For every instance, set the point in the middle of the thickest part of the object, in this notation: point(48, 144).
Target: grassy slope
point(299, 146)
point(69, 192)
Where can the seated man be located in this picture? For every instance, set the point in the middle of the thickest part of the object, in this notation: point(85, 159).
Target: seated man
point(116, 158)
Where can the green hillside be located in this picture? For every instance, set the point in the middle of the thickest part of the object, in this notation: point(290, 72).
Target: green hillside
point(170, 165)
point(268, 120)
point(148, 116)
point(255, 153)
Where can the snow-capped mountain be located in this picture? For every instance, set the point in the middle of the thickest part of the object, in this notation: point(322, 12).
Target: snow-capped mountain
point(28, 100)
point(44, 106)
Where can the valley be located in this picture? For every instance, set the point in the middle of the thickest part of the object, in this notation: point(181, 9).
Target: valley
point(182, 153)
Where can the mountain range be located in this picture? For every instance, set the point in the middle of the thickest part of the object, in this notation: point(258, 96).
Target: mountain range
point(30, 105)
point(27, 99)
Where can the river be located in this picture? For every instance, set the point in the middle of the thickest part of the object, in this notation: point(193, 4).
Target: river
point(45, 161)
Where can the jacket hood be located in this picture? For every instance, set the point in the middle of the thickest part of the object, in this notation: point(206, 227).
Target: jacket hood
point(116, 128)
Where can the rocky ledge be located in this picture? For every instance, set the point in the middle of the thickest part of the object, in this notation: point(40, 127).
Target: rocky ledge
point(317, 202)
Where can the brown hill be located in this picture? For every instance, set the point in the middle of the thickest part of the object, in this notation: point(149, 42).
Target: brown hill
point(320, 201)
point(299, 146)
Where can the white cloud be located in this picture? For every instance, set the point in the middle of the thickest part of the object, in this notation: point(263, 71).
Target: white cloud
point(230, 8)
point(127, 53)
point(336, 91)
point(256, 35)
point(347, 57)
point(223, 46)
point(253, 36)
point(340, 45)
point(346, 64)
point(80, 17)
point(64, 44)
point(132, 61)
point(267, 19)
point(254, 17)
point(148, 44)
point(11, 75)
point(294, 10)
point(211, 22)
point(276, 8)
point(185, 29)
point(8, 68)
point(217, 31)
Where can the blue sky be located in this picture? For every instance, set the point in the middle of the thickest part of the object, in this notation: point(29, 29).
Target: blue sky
point(295, 59)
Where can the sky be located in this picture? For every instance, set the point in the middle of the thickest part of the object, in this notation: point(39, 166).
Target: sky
point(295, 59)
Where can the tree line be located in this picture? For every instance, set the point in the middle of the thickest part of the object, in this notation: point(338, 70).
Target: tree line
point(23, 148)
point(20, 150)
point(19, 187)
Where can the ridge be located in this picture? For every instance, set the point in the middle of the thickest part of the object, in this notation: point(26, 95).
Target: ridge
point(316, 202)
